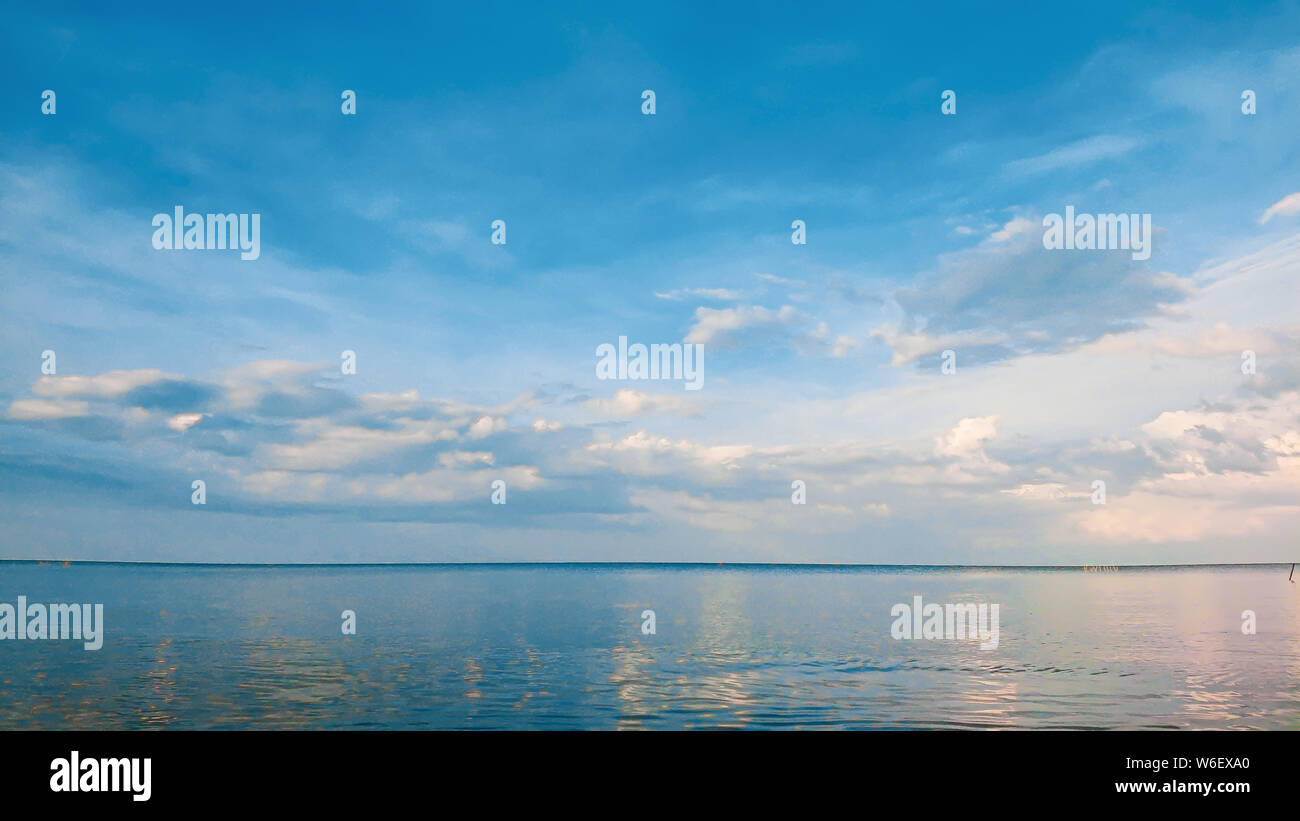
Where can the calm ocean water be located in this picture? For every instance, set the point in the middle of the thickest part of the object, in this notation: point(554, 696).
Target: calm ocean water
point(531, 647)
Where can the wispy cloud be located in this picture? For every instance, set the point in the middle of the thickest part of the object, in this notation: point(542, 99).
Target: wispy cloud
point(1079, 153)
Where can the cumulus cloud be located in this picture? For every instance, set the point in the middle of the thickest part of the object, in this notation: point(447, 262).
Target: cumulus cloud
point(34, 409)
point(283, 434)
point(967, 439)
point(722, 325)
point(627, 402)
point(418, 458)
point(1225, 472)
point(461, 458)
point(1015, 227)
point(109, 384)
point(1038, 491)
point(486, 426)
point(332, 446)
point(643, 453)
point(1009, 296)
point(184, 421)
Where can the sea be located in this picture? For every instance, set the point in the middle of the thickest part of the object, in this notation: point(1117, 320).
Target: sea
point(653, 646)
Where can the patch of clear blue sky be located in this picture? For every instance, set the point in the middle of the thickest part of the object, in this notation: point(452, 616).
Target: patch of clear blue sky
point(531, 113)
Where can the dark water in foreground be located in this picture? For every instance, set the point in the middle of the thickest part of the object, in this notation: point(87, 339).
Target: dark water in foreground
point(526, 647)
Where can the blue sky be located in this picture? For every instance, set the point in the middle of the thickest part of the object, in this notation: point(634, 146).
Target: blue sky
point(476, 361)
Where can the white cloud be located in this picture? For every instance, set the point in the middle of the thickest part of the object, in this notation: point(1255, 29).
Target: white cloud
point(1082, 152)
point(247, 383)
point(1288, 206)
point(1013, 228)
point(485, 426)
point(184, 421)
point(1220, 339)
point(1229, 473)
point(463, 458)
point(967, 439)
point(721, 294)
point(445, 485)
point(336, 446)
point(433, 486)
point(642, 453)
point(104, 385)
point(403, 402)
point(717, 324)
point(1045, 491)
point(34, 409)
point(909, 347)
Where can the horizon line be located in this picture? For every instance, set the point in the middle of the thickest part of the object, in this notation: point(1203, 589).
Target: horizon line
point(643, 564)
